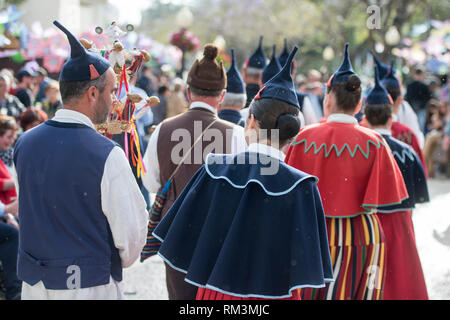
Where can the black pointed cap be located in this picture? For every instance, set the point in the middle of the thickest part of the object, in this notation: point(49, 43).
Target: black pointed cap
point(281, 86)
point(272, 68)
point(82, 65)
point(235, 82)
point(390, 80)
point(258, 59)
point(345, 70)
point(284, 54)
point(378, 95)
point(383, 68)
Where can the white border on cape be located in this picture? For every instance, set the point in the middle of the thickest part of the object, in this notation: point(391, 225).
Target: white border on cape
point(308, 176)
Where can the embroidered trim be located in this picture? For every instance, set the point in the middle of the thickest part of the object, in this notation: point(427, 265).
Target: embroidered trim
point(208, 286)
point(270, 193)
point(405, 153)
point(405, 137)
point(338, 153)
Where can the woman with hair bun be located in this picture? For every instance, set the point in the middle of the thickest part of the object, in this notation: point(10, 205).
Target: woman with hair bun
point(357, 174)
point(248, 226)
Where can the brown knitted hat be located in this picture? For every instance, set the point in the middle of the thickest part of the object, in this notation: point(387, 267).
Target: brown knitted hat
point(207, 74)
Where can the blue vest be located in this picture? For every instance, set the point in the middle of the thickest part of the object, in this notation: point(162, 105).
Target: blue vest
point(62, 226)
point(231, 116)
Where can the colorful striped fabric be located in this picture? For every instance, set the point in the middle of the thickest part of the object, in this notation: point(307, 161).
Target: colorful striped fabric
point(208, 294)
point(358, 256)
point(152, 245)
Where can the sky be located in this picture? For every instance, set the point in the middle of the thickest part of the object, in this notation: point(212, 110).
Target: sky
point(131, 13)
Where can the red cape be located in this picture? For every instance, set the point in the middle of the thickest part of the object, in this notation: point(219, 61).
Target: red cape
point(406, 135)
point(356, 171)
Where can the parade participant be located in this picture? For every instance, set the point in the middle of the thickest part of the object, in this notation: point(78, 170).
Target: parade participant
point(90, 222)
point(404, 276)
point(195, 128)
point(8, 131)
point(252, 73)
point(270, 238)
point(273, 68)
point(357, 174)
point(399, 130)
point(235, 97)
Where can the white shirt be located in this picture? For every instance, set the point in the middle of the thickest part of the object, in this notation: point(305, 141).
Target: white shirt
point(384, 132)
point(151, 180)
point(267, 150)
point(124, 208)
point(408, 117)
point(342, 118)
point(308, 112)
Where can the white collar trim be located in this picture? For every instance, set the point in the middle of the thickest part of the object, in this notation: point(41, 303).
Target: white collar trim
point(342, 118)
point(385, 132)
point(71, 116)
point(267, 150)
point(199, 104)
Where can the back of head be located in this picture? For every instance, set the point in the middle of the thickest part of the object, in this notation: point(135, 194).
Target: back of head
point(347, 93)
point(274, 114)
point(378, 114)
point(207, 77)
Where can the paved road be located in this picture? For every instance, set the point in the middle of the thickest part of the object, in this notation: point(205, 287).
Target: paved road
point(432, 227)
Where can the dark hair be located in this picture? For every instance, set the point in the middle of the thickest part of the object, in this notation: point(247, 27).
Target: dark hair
point(205, 93)
point(276, 114)
point(378, 114)
point(76, 89)
point(347, 93)
point(162, 90)
point(394, 92)
point(7, 123)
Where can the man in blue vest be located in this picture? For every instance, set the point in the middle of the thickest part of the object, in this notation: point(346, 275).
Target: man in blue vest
point(82, 215)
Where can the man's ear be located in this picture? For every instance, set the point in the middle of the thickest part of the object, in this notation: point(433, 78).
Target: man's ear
point(358, 107)
point(222, 96)
point(92, 94)
point(189, 94)
point(399, 100)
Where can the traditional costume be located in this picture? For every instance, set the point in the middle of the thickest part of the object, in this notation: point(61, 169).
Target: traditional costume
point(404, 275)
point(235, 90)
point(200, 122)
point(256, 61)
point(225, 250)
point(399, 130)
point(90, 222)
point(357, 174)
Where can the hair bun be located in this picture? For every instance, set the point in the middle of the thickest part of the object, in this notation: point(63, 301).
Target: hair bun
point(211, 51)
point(353, 83)
point(289, 126)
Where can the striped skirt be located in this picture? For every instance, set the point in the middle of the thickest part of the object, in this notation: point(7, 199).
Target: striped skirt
point(208, 294)
point(358, 255)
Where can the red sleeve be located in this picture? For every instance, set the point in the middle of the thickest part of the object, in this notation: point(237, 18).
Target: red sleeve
point(385, 185)
point(2, 183)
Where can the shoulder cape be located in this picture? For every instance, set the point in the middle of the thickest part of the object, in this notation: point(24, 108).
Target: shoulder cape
point(406, 134)
point(413, 175)
point(356, 171)
point(241, 232)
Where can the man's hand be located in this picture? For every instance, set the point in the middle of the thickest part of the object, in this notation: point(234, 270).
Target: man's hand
point(13, 208)
point(11, 220)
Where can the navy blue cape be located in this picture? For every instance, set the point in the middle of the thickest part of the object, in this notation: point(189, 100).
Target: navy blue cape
point(413, 175)
point(240, 232)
